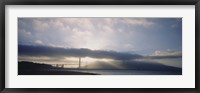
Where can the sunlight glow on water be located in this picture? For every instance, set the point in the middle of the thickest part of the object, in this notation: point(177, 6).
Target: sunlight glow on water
point(86, 59)
point(73, 62)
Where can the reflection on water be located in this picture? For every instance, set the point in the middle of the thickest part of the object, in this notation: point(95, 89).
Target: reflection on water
point(98, 68)
point(129, 72)
point(120, 72)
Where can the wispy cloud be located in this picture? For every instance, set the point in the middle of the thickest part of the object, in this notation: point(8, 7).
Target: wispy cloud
point(40, 25)
point(165, 54)
point(39, 42)
point(138, 22)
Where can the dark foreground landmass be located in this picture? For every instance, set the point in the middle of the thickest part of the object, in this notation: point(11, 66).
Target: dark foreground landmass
point(30, 68)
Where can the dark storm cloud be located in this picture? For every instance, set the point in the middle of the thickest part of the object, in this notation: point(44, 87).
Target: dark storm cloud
point(164, 57)
point(40, 51)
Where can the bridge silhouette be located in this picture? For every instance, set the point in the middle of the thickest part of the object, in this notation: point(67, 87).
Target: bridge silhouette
point(64, 65)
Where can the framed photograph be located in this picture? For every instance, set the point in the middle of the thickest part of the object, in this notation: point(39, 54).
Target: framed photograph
point(99, 46)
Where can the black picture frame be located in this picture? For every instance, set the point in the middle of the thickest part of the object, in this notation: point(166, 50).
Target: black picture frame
point(98, 2)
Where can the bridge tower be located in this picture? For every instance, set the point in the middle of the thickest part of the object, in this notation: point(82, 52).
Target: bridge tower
point(79, 62)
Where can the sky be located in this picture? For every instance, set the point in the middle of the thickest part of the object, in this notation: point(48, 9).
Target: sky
point(115, 38)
